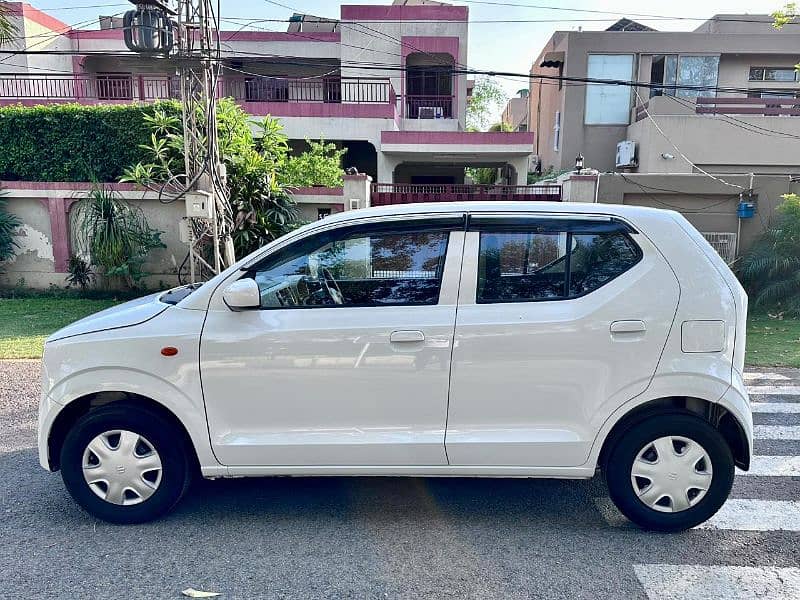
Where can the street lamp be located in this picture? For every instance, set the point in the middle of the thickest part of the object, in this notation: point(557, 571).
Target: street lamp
point(579, 163)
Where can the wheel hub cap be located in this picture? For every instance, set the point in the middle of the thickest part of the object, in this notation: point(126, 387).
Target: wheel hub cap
point(122, 467)
point(671, 474)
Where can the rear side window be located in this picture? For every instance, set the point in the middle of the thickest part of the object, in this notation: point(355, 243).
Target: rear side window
point(535, 263)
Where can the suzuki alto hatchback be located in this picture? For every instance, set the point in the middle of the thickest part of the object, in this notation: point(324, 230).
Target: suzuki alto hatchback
point(454, 339)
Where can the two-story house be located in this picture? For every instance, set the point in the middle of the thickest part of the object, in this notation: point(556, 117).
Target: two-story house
point(386, 82)
point(709, 124)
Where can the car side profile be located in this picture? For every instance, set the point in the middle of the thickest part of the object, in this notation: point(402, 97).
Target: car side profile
point(475, 339)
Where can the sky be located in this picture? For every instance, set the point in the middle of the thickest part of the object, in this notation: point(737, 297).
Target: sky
point(492, 46)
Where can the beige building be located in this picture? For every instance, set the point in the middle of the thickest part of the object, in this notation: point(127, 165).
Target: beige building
point(737, 129)
point(517, 111)
point(709, 125)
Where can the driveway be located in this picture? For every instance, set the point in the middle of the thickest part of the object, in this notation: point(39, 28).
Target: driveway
point(400, 538)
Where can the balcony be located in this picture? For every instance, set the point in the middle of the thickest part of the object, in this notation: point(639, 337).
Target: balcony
point(288, 97)
point(768, 107)
point(428, 107)
point(405, 193)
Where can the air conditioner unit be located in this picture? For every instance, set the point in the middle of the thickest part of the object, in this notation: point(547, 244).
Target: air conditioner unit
point(431, 112)
point(626, 155)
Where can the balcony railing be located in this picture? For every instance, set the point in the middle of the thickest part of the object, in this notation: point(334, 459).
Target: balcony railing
point(720, 106)
point(103, 87)
point(429, 107)
point(748, 106)
point(143, 88)
point(405, 193)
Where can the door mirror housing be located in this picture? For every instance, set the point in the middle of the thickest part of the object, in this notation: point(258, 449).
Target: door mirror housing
point(242, 295)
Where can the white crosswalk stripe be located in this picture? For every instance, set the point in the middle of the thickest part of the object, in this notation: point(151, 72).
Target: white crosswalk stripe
point(756, 515)
point(777, 432)
point(765, 376)
point(773, 390)
point(700, 582)
point(775, 407)
point(773, 466)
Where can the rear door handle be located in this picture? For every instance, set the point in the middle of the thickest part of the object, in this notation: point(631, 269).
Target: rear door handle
point(406, 336)
point(628, 327)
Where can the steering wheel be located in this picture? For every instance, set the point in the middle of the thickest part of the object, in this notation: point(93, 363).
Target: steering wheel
point(333, 289)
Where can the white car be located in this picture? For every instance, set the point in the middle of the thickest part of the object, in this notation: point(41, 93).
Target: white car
point(455, 339)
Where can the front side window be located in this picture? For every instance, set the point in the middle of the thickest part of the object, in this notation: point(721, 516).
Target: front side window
point(608, 104)
point(535, 265)
point(355, 268)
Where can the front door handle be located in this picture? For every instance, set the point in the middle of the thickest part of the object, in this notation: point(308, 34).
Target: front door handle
point(628, 327)
point(406, 336)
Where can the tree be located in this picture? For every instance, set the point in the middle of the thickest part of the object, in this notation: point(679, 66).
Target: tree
point(785, 15)
point(486, 101)
point(321, 165)
point(7, 29)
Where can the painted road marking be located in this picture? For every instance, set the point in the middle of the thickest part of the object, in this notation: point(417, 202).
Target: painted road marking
point(756, 515)
point(773, 466)
point(777, 432)
point(775, 407)
point(774, 390)
point(699, 582)
point(765, 376)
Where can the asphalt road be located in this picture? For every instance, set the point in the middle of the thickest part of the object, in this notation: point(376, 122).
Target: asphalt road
point(397, 538)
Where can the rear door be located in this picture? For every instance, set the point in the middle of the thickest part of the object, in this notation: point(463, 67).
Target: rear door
point(560, 319)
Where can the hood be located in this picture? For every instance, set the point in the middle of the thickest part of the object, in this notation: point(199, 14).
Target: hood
point(127, 314)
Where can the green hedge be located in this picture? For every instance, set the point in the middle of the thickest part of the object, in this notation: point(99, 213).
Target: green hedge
point(72, 142)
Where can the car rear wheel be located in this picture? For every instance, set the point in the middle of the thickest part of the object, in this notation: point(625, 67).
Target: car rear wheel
point(125, 464)
point(670, 472)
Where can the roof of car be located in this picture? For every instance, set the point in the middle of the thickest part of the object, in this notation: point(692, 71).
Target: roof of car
point(499, 207)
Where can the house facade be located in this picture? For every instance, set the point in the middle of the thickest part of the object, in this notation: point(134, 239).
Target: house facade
point(711, 124)
point(381, 81)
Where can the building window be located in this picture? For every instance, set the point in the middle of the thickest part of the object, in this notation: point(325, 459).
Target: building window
point(674, 71)
point(608, 104)
point(773, 74)
point(323, 212)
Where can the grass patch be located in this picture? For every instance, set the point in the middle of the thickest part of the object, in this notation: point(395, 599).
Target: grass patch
point(773, 342)
point(26, 322)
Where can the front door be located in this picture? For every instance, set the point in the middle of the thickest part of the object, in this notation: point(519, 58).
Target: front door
point(559, 321)
point(347, 361)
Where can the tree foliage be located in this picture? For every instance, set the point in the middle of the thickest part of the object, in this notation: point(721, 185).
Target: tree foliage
point(485, 103)
point(785, 15)
point(9, 223)
point(770, 271)
point(7, 28)
point(321, 165)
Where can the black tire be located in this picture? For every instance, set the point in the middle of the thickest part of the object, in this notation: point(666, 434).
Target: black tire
point(162, 435)
point(627, 446)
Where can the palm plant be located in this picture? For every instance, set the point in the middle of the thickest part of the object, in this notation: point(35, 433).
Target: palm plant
point(113, 234)
point(8, 228)
point(7, 28)
point(771, 270)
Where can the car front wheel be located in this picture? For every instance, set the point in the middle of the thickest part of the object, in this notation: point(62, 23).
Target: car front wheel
point(125, 464)
point(670, 472)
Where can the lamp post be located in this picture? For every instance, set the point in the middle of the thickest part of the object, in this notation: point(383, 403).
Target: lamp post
point(579, 163)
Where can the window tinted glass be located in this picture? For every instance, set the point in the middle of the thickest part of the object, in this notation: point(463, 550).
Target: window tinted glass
point(519, 266)
point(608, 104)
point(356, 269)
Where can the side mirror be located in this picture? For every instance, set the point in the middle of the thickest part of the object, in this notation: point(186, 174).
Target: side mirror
point(242, 295)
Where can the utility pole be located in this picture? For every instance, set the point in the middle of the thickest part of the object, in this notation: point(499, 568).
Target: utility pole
point(187, 31)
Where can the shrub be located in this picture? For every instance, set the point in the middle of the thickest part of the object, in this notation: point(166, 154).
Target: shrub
point(8, 228)
point(73, 142)
point(770, 271)
point(320, 165)
point(114, 235)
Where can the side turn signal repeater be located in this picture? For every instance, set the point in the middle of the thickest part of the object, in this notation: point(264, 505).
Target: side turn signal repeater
point(169, 351)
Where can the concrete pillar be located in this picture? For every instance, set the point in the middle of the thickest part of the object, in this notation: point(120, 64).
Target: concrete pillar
point(386, 167)
point(357, 189)
point(578, 188)
point(520, 165)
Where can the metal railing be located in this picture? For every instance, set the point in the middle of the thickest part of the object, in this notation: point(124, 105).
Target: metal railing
point(405, 193)
point(428, 107)
point(748, 106)
point(116, 87)
point(131, 87)
point(335, 90)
